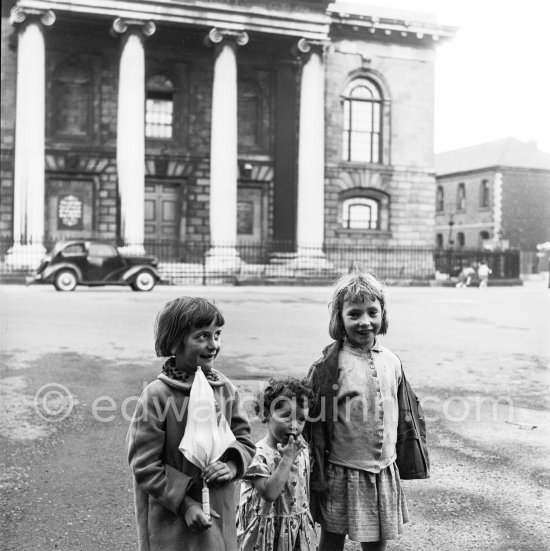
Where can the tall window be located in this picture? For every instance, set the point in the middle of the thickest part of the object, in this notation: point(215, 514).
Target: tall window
point(460, 239)
point(159, 108)
point(439, 240)
point(360, 213)
point(72, 100)
point(362, 122)
point(461, 197)
point(250, 115)
point(440, 199)
point(484, 194)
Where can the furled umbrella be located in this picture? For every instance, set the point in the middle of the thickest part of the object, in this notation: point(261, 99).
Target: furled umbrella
point(207, 433)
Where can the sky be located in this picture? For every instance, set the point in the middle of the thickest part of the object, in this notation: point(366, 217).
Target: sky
point(493, 77)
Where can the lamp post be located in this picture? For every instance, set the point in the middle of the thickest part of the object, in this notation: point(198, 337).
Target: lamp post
point(451, 224)
point(451, 242)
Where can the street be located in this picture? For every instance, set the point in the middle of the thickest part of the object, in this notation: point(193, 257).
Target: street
point(74, 363)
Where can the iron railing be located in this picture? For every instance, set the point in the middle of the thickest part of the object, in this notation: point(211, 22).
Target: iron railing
point(199, 263)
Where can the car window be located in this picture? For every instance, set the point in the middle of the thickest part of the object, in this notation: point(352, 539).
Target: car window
point(76, 249)
point(101, 249)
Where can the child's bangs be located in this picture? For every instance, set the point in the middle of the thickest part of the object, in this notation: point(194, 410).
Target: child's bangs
point(205, 314)
point(361, 289)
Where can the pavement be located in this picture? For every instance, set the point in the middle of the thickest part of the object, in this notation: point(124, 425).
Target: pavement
point(74, 363)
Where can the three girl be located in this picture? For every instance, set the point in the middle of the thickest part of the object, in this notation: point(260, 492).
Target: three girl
point(351, 402)
point(167, 487)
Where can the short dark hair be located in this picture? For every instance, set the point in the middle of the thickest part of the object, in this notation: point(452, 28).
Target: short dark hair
point(177, 318)
point(289, 387)
point(354, 287)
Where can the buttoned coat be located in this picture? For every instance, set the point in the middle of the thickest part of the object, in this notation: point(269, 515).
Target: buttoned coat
point(163, 477)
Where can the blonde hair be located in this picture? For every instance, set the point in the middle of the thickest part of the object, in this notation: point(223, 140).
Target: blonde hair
point(355, 287)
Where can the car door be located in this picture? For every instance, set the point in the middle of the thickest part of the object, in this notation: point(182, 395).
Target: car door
point(103, 263)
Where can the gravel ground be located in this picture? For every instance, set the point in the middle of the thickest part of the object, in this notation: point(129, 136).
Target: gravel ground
point(482, 376)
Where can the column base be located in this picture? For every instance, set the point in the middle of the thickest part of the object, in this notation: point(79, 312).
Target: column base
point(307, 262)
point(132, 250)
point(223, 259)
point(28, 256)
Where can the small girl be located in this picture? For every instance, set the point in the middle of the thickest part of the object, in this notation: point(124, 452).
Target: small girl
point(273, 512)
point(167, 487)
point(355, 482)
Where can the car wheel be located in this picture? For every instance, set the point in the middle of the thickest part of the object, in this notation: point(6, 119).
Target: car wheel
point(144, 281)
point(65, 280)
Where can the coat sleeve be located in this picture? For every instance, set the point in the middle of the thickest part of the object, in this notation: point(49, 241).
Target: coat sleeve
point(242, 451)
point(145, 440)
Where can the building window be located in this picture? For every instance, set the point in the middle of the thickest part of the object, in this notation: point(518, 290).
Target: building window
point(72, 93)
point(362, 138)
point(439, 240)
point(461, 197)
point(440, 199)
point(360, 213)
point(484, 194)
point(460, 239)
point(250, 115)
point(159, 108)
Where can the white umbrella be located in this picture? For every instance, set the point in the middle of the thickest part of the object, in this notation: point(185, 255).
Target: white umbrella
point(207, 434)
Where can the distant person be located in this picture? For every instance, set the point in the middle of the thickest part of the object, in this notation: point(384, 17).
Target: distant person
point(465, 276)
point(167, 487)
point(273, 513)
point(483, 273)
point(362, 402)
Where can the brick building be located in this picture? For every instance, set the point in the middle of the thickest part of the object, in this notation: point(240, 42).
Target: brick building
point(495, 194)
point(298, 123)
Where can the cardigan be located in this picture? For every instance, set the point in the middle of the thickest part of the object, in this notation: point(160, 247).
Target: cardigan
point(412, 453)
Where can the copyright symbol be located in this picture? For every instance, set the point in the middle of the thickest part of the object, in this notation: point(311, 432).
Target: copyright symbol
point(53, 402)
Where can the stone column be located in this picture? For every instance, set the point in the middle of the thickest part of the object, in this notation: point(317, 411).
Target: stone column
point(223, 150)
point(30, 116)
point(131, 130)
point(311, 154)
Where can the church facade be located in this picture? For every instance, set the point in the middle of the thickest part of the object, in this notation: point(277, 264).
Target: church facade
point(217, 123)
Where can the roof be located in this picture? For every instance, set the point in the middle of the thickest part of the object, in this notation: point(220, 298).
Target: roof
point(507, 152)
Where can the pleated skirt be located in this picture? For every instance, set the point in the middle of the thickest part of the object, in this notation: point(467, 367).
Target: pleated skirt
point(365, 506)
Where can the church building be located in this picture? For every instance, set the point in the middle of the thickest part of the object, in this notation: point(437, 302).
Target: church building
point(301, 124)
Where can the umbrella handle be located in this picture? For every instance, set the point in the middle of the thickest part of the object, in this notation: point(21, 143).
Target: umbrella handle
point(205, 500)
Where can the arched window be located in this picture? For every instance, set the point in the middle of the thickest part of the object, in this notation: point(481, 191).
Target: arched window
point(362, 138)
point(159, 108)
point(439, 240)
point(72, 93)
point(460, 239)
point(360, 213)
point(461, 197)
point(440, 199)
point(484, 194)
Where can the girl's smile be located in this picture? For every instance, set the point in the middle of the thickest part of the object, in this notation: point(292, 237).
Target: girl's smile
point(200, 347)
point(362, 321)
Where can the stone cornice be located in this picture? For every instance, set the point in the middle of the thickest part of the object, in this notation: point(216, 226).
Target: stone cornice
point(253, 19)
point(386, 26)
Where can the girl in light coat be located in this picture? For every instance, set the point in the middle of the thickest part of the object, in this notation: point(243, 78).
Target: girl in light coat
point(167, 487)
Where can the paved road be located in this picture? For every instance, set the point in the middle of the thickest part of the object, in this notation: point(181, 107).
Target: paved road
point(479, 359)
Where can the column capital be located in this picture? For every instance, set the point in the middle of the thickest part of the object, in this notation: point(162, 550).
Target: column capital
point(146, 27)
point(216, 36)
point(19, 15)
point(306, 46)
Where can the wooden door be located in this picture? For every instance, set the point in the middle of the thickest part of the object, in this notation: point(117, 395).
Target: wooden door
point(162, 218)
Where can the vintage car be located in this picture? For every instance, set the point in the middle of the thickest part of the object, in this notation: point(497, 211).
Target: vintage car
point(94, 263)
